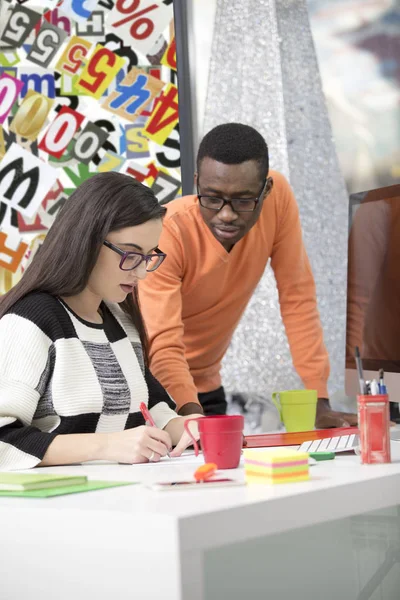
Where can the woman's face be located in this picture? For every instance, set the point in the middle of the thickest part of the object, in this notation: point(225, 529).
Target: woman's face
point(107, 280)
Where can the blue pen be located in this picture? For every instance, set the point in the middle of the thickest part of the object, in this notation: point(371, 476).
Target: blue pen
point(382, 386)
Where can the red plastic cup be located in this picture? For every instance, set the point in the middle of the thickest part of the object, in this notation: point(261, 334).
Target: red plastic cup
point(221, 439)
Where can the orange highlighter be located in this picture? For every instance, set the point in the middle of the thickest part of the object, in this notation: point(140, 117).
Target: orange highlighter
point(205, 472)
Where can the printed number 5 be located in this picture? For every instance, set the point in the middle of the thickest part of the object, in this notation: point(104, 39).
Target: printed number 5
point(17, 26)
point(45, 47)
point(99, 71)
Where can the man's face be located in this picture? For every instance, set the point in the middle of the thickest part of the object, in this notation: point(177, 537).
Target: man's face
point(242, 181)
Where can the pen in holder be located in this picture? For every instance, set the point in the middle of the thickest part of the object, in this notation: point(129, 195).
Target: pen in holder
point(373, 422)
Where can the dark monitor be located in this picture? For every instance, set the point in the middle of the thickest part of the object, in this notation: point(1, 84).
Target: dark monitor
point(373, 288)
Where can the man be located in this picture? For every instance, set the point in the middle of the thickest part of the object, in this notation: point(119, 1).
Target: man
point(218, 244)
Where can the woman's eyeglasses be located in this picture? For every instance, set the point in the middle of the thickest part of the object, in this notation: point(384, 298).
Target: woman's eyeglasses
point(131, 260)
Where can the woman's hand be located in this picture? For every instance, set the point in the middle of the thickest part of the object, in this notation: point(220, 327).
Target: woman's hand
point(184, 438)
point(139, 445)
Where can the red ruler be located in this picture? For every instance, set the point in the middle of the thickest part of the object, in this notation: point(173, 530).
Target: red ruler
point(265, 440)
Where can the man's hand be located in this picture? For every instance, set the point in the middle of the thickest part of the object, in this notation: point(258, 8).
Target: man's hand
point(326, 417)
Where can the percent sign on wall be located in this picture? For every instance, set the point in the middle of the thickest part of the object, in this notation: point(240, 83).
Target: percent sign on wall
point(139, 22)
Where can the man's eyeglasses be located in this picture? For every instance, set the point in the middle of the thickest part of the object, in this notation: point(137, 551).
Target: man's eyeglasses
point(131, 260)
point(238, 205)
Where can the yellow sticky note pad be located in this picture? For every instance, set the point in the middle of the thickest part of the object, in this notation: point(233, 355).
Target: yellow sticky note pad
point(275, 466)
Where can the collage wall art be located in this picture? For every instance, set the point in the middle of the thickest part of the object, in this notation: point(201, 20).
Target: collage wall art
point(86, 86)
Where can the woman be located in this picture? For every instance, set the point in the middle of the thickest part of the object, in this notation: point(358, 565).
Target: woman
point(73, 348)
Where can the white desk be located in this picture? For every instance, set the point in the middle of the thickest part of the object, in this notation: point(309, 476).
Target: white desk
point(134, 543)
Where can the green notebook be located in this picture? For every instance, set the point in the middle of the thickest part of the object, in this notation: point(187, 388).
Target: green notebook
point(65, 489)
point(22, 482)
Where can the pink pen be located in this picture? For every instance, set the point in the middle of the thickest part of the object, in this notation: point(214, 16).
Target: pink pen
point(147, 417)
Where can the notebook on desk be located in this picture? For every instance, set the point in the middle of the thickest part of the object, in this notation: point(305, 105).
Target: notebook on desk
point(265, 440)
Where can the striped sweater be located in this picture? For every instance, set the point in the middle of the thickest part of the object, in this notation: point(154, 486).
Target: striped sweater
point(60, 374)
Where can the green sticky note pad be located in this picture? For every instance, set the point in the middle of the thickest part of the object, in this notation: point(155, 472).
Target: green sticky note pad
point(322, 455)
point(73, 489)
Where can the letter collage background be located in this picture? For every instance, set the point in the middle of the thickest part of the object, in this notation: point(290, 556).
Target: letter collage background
point(86, 86)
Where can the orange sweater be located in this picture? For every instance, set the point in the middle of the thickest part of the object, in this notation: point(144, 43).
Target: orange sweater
point(193, 303)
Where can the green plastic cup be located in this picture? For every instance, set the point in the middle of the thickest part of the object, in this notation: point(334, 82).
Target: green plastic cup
point(297, 409)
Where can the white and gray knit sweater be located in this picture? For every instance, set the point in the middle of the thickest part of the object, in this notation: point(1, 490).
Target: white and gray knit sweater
point(60, 374)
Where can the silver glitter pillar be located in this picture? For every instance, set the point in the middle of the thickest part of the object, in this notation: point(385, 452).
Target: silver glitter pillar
point(264, 73)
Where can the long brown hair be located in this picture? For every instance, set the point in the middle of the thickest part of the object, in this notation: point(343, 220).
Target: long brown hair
point(62, 266)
